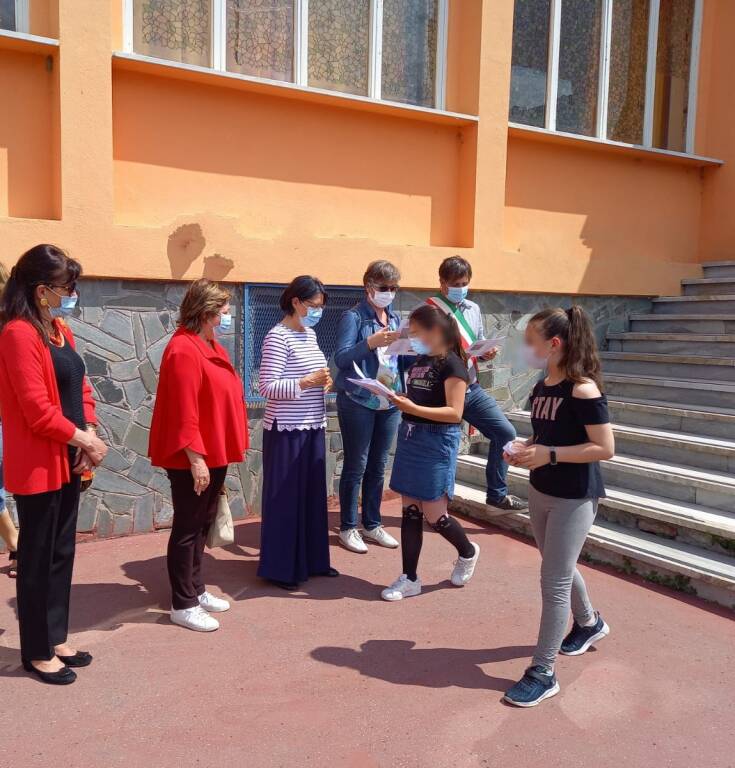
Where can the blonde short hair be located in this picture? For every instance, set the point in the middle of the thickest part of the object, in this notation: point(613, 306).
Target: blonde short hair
point(202, 300)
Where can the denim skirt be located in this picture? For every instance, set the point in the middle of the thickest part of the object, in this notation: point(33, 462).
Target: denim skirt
point(426, 460)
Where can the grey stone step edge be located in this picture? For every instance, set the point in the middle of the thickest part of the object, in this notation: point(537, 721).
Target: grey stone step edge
point(679, 566)
point(660, 407)
point(722, 338)
point(645, 434)
point(714, 522)
point(673, 359)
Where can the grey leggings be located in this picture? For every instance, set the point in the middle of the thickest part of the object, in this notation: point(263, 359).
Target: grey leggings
point(560, 527)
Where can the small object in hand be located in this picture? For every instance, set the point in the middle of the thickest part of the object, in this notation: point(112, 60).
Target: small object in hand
point(510, 447)
point(87, 479)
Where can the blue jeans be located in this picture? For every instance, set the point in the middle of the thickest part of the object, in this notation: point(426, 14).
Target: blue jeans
point(367, 436)
point(484, 414)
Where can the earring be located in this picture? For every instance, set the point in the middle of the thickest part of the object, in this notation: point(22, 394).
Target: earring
point(44, 302)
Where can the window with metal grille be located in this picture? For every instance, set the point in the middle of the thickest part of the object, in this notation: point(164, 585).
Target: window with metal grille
point(261, 312)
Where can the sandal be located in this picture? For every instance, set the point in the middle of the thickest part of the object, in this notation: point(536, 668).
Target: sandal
point(12, 569)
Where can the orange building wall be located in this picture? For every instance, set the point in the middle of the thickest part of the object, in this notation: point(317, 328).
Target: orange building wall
point(162, 174)
point(715, 130)
point(280, 166)
point(28, 153)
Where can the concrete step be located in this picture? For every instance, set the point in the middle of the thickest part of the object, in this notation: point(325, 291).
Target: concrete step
point(682, 566)
point(706, 324)
point(694, 305)
point(709, 345)
point(719, 369)
point(719, 269)
point(675, 391)
point(690, 450)
point(709, 286)
point(655, 414)
point(673, 482)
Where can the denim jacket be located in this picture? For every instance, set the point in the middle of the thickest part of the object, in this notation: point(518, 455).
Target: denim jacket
point(354, 327)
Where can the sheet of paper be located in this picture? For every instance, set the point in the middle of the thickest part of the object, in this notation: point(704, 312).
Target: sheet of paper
point(483, 346)
point(400, 347)
point(374, 386)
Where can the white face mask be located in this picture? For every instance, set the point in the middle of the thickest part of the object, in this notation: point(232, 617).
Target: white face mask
point(383, 299)
point(532, 359)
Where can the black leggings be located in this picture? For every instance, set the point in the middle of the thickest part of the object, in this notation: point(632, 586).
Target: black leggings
point(46, 546)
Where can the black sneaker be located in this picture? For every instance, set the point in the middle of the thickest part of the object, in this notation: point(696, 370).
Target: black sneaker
point(536, 685)
point(580, 638)
point(509, 504)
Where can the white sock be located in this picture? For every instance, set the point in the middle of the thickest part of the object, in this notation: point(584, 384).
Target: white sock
point(591, 622)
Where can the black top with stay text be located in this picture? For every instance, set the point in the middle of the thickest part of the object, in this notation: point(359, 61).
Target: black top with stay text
point(559, 419)
point(425, 384)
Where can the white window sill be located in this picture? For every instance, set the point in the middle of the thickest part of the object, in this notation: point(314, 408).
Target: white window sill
point(532, 133)
point(177, 70)
point(23, 41)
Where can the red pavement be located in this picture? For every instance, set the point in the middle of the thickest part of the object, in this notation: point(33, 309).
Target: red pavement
point(333, 676)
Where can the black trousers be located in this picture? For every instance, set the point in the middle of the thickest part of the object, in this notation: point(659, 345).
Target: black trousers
point(192, 517)
point(46, 545)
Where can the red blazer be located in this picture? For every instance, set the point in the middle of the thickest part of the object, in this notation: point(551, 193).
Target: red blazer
point(200, 405)
point(35, 431)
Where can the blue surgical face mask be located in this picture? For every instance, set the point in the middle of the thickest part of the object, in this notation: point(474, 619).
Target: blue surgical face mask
point(312, 317)
point(457, 294)
point(225, 323)
point(418, 346)
point(68, 303)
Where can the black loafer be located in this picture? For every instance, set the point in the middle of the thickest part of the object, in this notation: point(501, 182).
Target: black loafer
point(79, 659)
point(331, 573)
point(64, 676)
point(289, 586)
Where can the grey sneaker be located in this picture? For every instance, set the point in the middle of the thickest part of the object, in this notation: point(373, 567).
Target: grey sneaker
point(509, 504)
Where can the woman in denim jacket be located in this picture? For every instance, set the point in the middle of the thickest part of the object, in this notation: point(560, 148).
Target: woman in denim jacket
point(368, 422)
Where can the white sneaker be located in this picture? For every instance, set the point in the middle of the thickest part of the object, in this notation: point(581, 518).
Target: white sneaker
point(194, 618)
point(400, 588)
point(213, 604)
point(380, 536)
point(351, 539)
point(464, 568)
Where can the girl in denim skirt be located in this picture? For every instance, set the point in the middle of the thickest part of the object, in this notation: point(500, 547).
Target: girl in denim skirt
point(428, 443)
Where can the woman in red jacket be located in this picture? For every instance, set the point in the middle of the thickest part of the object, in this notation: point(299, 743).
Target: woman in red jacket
point(49, 440)
point(199, 427)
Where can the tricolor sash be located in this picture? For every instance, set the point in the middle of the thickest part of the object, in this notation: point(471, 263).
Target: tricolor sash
point(467, 335)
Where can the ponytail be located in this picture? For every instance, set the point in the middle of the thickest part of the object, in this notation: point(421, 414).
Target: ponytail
point(580, 359)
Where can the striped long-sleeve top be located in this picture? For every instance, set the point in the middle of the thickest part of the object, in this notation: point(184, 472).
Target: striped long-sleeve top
point(287, 357)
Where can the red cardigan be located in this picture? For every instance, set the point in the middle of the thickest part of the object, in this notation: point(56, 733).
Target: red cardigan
point(35, 431)
point(200, 405)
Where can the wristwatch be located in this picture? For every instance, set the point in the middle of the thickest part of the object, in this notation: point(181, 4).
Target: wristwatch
point(552, 456)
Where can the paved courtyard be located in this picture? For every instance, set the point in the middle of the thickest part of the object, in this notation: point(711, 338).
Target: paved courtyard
point(332, 676)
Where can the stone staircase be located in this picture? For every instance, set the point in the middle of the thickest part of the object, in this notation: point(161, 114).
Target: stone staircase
point(670, 511)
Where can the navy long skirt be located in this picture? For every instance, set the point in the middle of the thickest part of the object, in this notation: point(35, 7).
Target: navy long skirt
point(294, 534)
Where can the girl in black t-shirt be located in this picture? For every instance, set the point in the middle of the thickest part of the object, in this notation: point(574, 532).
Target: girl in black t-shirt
point(571, 435)
point(427, 447)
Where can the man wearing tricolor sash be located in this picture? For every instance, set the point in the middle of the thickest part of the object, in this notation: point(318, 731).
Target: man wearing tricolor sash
point(481, 411)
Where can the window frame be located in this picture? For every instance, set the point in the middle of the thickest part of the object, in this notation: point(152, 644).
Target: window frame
point(603, 85)
point(218, 47)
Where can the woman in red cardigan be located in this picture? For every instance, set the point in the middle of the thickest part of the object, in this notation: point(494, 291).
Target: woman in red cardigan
point(199, 427)
point(49, 440)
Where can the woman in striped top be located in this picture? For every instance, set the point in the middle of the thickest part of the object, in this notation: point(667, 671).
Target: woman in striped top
point(294, 541)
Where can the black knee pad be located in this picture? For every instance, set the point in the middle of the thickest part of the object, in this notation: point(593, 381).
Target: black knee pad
point(412, 512)
point(442, 523)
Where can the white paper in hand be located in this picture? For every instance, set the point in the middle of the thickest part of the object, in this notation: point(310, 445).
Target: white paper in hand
point(374, 386)
point(483, 346)
point(400, 347)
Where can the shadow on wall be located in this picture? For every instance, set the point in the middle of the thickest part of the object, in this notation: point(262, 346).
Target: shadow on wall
point(284, 165)
point(185, 245)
